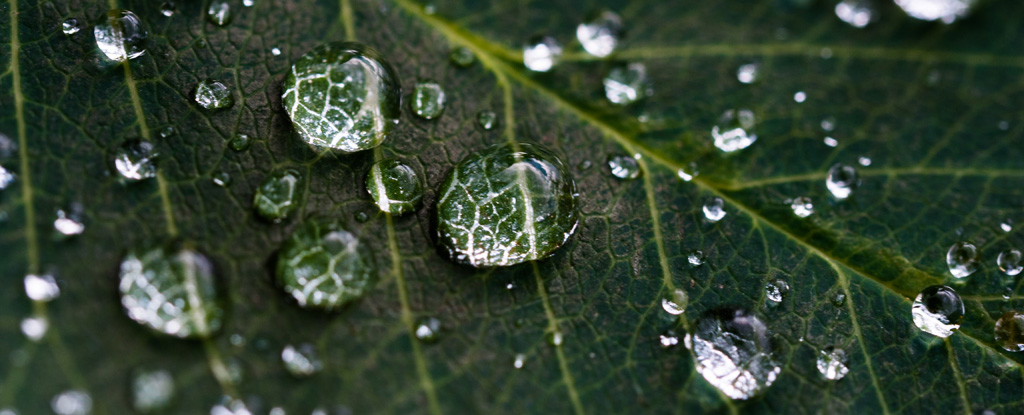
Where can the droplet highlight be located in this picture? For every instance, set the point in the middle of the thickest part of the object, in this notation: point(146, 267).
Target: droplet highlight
point(428, 100)
point(541, 53)
point(219, 12)
point(938, 310)
point(833, 363)
point(213, 95)
point(714, 209)
point(600, 32)
point(842, 180)
point(301, 361)
point(1009, 262)
point(627, 84)
point(734, 130)
point(962, 259)
point(624, 167)
point(136, 160)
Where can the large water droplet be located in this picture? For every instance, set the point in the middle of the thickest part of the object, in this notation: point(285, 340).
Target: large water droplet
point(278, 195)
point(322, 265)
point(428, 329)
point(213, 95)
point(301, 361)
point(70, 26)
point(676, 303)
point(1009, 261)
point(72, 402)
point(171, 290)
point(714, 209)
point(152, 391)
point(938, 310)
point(487, 119)
point(858, 13)
point(842, 180)
point(219, 12)
point(1009, 331)
point(748, 73)
point(832, 363)
point(802, 206)
point(733, 353)
point(41, 287)
point(541, 53)
point(962, 259)
point(135, 160)
point(428, 100)
point(462, 57)
point(733, 131)
point(505, 205)
point(121, 36)
point(627, 84)
point(623, 166)
point(600, 33)
point(344, 96)
point(946, 10)
point(394, 186)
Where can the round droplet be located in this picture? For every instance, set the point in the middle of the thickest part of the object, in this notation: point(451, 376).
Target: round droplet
point(248, 3)
point(1007, 293)
point(800, 97)
point(828, 124)
point(775, 290)
point(71, 26)
point(362, 217)
point(505, 205)
point(938, 310)
point(167, 9)
point(135, 160)
point(864, 161)
point(733, 353)
point(623, 166)
point(394, 186)
point(428, 330)
point(962, 259)
point(171, 290)
point(278, 195)
point(831, 142)
point(600, 33)
point(324, 266)
point(35, 327)
point(69, 221)
point(301, 361)
point(842, 180)
point(121, 36)
point(167, 132)
point(839, 300)
point(748, 73)
point(832, 363)
point(72, 402)
point(858, 13)
point(344, 96)
point(945, 10)
point(152, 391)
point(669, 339)
point(462, 57)
point(541, 53)
point(625, 85)
point(219, 12)
point(1009, 332)
point(734, 130)
point(213, 95)
point(714, 209)
point(487, 119)
point(240, 142)
point(676, 303)
point(275, 51)
point(584, 165)
point(428, 100)
point(802, 206)
point(695, 258)
point(1009, 262)
point(519, 361)
point(222, 179)
point(555, 338)
point(41, 287)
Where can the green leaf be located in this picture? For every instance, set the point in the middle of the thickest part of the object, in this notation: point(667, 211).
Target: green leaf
point(936, 108)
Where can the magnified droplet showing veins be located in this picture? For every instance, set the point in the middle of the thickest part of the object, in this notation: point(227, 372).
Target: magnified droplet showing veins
point(323, 265)
point(733, 352)
point(121, 36)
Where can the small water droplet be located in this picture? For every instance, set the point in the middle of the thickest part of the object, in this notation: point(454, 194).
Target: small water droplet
point(35, 327)
point(858, 13)
point(600, 33)
point(1003, 125)
point(962, 259)
point(275, 51)
point(211, 95)
point(623, 166)
point(1006, 226)
point(555, 338)
point(826, 53)
point(135, 160)
point(301, 361)
point(167, 132)
point(237, 340)
point(222, 179)
point(733, 131)
point(41, 287)
point(842, 180)
point(510, 286)
point(832, 363)
point(219, 12)
point(362, 217)
point(669, 339)
point(947, 11)
point(1009, 262)
point(121, 37)
point(6, 178)
point(1009, 331)
point(394, 186)
point(230, 406)
point(323, 265)
point(428, 100)
point(428, 330)
point(519, 360)
point(864, 161)
point(695, 258)
point(278, 195)
point(627, 84)
point(430, 9)
point(70, 26)
point(1007, 293)
point(68, 221)
point(462, 57)
point(749, 73)
point(487, 119)
point(171, 290)
point(152, 391)
point(839, 300)
point(72, 402)
point(689, 172)
point(584, 165)
point(248, 3)
point(831, 142)
point(800, 97)
point(775, 290)
point(714, 209)
point(828, 124)
point(802, 206)
point(676, 303)
point(240, 142)
point(938, 310)
point(733, 352)
point(167, 8)
point(541, 53)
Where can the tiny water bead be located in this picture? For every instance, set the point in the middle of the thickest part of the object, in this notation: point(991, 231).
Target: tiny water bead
point(519, 360)
point(6, 178)
point(428, 100)
point(428, 330)
point(506, 204)
point(171, 290)
point(948, 11)
point(800, 97)
point(487, 119)
point(167, 9)
point(669, 339)
point(275, 51)
point(555, 338)
point(152, 392)
point(775, 290)
point(278, 195)
point(41, 287)
point(1009, 262)
point(676, 303)
point(833, 363)
point(323, 265)
point(802, 206)
point(167, 132)
point(219, 12)
point(121, 36)
point(828, 124)
point(344, 96)
point(733, 131)
point(864, 161)
point(842, 180)
point(68, 221)
point(240, 142)
point(839, 300)
point(301, 361)
point(222, 179)
point(831, 142)
point(714, 209)
point(858, 13)
point(600, 33)
point(35, 328)
point(748, 73)
point(72, 402)
point(462, 57)
point(695, 258)
point(733, 352)
point(541, 53)
point(394, 186)
point(938, 310)
point(962, 259)
point(627, 84)
point(624, 167)
point(70, 26)
point(213, 95)
point(1009, 331)
point(135, 160)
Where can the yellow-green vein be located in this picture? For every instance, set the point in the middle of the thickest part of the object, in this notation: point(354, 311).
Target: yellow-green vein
point(869, 172)
point(31, 239)
point(844, 283)
point(959, 376)
point(553, 330)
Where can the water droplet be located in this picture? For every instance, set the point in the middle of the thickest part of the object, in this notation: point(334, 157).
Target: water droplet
point(802, 206)
point(748, 73)
point(277, 410)
point(344, 96)
point(167, 132)
point(1005, 226)
point(1009, 261)
point(600, 33)
point(669, 339)
point(275, 51)
point(519, 360)
point(72, 402)
point(831, 142)
point(222, 179)
point(839, 300)
point(430, 9)
point(240, 142)
point(696, 258)
point(10, 411)
point(229, 406)
point(541, 53)
point(832, 363)
point(623, 166)
point(487, 119)
point(41, 287)
point(301, 361)
point(171, 290)
point(322, 265)
point(35, 327)
point(584, 165)
point(714, 209)
point(507, 204)
point(1007, 293)
point(394, 186)
point(962, 259)
point(167, 9)
point(938, 310)
point(278, 195)
point(213, 95)
point(362, 217)
point(733, 131)
point(733, 353)
point(122, 36)
point(428, 100)
point(676, 303)
point(627, 84)
point(6, 178)
point(152, 391)
point(842, 180)
point(248, 3)
point(428, 330)
point(1009, 332)
point(68, 221)
point(135, 160)
point(555, 338)
point(826, 53)
point(775, 290)
point(858, 13)
point(800, 97)
point(462, 57)
point(864, 161)
point(510, 286)
point(70, 26)
point(1003, 125)
point(219, 12)
point(946, 10)
point(689, 172)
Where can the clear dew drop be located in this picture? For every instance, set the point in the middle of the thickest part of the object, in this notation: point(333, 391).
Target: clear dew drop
point(278, 195)
point(857, 13)
point(688, 172)
point(555, 339)
point(462, 57)
point(775, 291)
point(362, 217)
point(802, 206)
point(394, 186)
point(714, 209)
point(487, 119)
point(541, 53)
point(229, 406)
point(6, 178)
point(748, 73)
point(864, 161)
point(623, 166)
point(733, 352)
point(322, 265)
point(800, 97)
point(948, 11)
point(301, 361)
point(1007, 293)
point(121, 37)
point(668, 339)
point(627, 84)
point(1006, 226)
point(842, 180)
point(962, 259)
point(70, 26)
point(1009, 262)
point(8, 411)
point(833, 363)
point(343, 96)
point(695, 258)
point(41, 287)
point(828, 124)
point(938, 310)
point(600, 33)
point(734, 130)
point(248, 3)
point(35, 328)
point(136, 160)
point(428, 99)
point(675, 304)
point(1009, 331)
point(839, 300)
point(167, 9)
point(167, 131)
point(212, 95)
point(222, 179)
point(428, 330)
point(219, 12)
point(72, 402)
point(152, 392)
point(68, 221)
point(519, 360)
point(240, 142)
point(276, 51)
